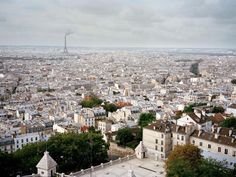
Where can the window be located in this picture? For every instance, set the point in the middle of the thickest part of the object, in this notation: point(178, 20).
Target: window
point(22, 141)
point(27, 140)
point(171, 135)
point(17, 141)
point(177, 137)
point(209, 146)
point(17, 146)
point(156, 141)
point(161, 142)
point(36, 138)
point(162, 136)
point(182, 138)
point(193, 142)
point(219, 149)
point(156, 148)
point(200, 143)
point(31, 139)
point(161, 149)
point(226, 151)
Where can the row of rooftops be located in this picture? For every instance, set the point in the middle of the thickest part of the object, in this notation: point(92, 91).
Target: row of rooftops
point(221, 135)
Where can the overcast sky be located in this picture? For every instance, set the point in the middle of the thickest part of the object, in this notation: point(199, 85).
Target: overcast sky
point(119, 23)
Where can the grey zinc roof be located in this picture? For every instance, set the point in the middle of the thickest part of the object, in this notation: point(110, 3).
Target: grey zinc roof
point(46, 162)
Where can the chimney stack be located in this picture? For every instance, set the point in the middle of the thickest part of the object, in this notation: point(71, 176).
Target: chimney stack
point(199, 133)
point(218, 129)
point(216, 135)
point(230, 132)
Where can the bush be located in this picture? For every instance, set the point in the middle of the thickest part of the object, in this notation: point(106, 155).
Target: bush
point(91, 101)
point(233, 81)
point(145, 119)
point(218, 109)
point(124, 136)
point(229, 123)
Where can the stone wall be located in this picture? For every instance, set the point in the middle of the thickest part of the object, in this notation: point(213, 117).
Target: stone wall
point(118, 151)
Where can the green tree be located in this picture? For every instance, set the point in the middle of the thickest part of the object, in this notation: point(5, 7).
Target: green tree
point(180, 168)
point(71, 151)
point(29, 156)
point(92, 129)
point(218, 109)
point(110, 107)
point(9, 165)
point(233, 81)
point(145, 119)
point(183, 161)
point(210, 167)
point(124, 136)
point(229, 123)
point(190, 107)
point(186, 160)
point(90, 102)
point(136, 140)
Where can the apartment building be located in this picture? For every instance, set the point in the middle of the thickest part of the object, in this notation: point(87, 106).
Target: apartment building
point(197, 118)
point(22, 140)
point(216, 144)
point(104, 126)
point(161, 136)
point(157, 139)
point(7, 145)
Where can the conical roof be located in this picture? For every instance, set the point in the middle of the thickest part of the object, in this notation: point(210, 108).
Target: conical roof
point(46, 162)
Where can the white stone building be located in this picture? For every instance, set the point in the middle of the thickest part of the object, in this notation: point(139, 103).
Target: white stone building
point(160, 138)
point(196, 118)
point(22, 140)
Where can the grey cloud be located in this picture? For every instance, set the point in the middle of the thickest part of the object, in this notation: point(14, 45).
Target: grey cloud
point(209, 8)
point(118, 22)
point(2, 19)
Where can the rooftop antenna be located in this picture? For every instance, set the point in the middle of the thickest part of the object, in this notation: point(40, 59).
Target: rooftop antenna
point(65, 43)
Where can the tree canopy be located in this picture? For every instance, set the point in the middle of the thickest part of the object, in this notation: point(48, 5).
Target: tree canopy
point(71, 151)
point(190, 107)
point(233, 81)
point(110, 107)
point(91, 101)
point(9, 165)
point(186, 160)
point(145, 119)
point(124, 136)
point(218, 109)
point(229, 123)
